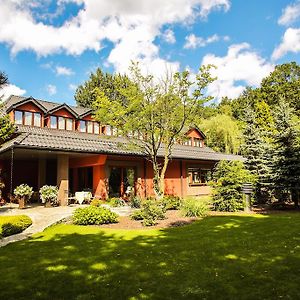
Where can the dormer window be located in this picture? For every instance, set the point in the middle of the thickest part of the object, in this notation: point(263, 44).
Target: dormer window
point(188, 142)
point(198, 142)
point(89, 127)
point(61, 123)
point(28, 118)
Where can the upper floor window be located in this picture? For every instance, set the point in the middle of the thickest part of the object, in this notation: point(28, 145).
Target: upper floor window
point(61, 123)
point(188, 142)
point(198, 142)
point(28, 118)
point(89, 127)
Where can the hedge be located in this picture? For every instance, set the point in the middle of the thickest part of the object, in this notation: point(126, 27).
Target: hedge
point(10, 225)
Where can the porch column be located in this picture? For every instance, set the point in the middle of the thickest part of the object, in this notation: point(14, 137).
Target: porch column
point(63, 179)
point(41, 173)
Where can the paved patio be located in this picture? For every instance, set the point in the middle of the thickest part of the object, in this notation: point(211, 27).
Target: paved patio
point(44, 217)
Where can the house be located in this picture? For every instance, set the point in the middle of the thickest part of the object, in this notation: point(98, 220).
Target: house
point(60, 144)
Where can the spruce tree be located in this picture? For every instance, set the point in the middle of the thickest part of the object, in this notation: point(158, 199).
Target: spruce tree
point(257, 150)
point(286, 167)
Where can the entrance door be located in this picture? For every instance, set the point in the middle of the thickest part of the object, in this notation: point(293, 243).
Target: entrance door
point(121, 181)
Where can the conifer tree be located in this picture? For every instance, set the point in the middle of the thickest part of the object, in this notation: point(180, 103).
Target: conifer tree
point(286, 169)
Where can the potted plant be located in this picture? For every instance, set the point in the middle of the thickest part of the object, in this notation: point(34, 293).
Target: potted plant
point(49, 195)
point(23, 193)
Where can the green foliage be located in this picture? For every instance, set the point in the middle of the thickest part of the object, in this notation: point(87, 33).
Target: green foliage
point(97, 202)
point(49, 193)
point(7, 129)
point(23, 190)
point(222, 133)
point(258, 150)
point(92, 215)
point(286, 168)
point(135, 202)
point(151, 211)
point(228, 179)
point(193, 207)
point(171, 202)
point(116, 202)
point(157, 110)
point(10, 225)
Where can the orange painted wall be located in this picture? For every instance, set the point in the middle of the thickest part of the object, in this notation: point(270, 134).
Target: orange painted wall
point(63, 113)
point(29, 107)
point(99, 182)
point(88, 161)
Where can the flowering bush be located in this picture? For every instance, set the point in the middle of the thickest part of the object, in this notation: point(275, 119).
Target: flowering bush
point(23, 190)
point(49, 193)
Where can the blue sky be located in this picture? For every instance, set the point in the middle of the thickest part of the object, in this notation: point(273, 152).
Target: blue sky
point(48, 47)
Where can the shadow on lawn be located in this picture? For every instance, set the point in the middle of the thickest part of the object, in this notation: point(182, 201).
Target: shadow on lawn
point(235, 257)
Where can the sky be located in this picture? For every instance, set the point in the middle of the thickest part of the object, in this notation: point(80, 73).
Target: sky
point(48, 48)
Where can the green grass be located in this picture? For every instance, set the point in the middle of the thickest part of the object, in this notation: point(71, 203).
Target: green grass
point(10, 225)
point(223, 257)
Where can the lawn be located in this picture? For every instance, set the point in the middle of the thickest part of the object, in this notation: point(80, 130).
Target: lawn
point(221, 257)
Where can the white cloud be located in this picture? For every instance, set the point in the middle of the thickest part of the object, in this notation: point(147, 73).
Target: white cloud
point(63, 71)
point(97, 20)
point(193, 41)
point(290, 43)
point(239, 68)
point(169, 36)
point(290, 14)
point(11, 89)
point(72, 87)
point(51, 89)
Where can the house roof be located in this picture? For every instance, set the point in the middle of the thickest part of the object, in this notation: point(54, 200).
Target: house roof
point(46, 106)
point(71, 141)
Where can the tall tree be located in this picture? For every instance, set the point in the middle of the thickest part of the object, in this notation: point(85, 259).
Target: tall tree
point(157, 111)
point(222, 133)
point(107, 83)
point(257, 150)
point(6, 127)
point(287, 151)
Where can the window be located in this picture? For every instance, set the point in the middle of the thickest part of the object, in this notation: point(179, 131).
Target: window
point(37, 119)
point(198, 176)
point(69, 124)
point(53, 122)
point(108, 130)
point(18, 117)
point(28, 118)
point(188, 142)
point(89, 127)
point(197, 142)
point(61, 123)
point(82, 126)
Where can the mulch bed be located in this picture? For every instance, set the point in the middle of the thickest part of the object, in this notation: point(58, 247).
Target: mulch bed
point(173, 219)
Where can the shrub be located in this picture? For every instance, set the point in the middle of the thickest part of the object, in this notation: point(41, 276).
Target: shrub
point(192, 207)
point(171, 202)
point(137, 215)
point(96, 202)
point(49, 193)
point(135, 202)
point(228, 179)
point(92, 215)
point(13, 224)
point(23, 190)
point(116, 202)
point(150, 213)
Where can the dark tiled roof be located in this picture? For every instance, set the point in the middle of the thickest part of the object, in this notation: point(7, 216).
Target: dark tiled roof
point(48, 106)
point(72, 141)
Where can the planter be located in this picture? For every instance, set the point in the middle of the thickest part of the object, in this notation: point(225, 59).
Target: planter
point(48, 204)
point(22, 202)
